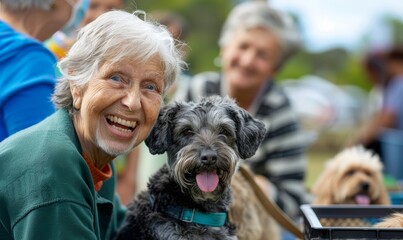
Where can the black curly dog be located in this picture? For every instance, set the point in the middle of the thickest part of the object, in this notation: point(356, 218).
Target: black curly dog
point(189, 197)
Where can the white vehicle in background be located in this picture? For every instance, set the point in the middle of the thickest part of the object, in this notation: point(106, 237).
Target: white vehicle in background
point(322, 105)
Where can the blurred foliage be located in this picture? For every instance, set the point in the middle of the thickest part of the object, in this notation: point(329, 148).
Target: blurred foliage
point(397, 27)
point(205, 18)
point(336, 65)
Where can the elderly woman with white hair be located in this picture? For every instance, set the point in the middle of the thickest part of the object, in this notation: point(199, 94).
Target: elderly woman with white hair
point(255, 42)
point(58, 179)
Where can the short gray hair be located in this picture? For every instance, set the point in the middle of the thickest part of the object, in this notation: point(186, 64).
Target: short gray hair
point(17, 5)
point(258, 14)
point(113, 36)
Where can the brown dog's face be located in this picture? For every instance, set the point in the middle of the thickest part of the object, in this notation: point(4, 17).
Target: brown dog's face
point(357, 184)
point(354, 176)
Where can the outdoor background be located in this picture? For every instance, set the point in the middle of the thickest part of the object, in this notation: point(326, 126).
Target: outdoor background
point(326, 79)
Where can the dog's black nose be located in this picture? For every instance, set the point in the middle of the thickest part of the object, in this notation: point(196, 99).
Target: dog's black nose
point(364, 186)
point(208, 157)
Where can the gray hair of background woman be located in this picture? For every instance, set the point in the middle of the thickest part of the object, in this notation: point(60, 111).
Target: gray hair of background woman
point(258, 14)
point(113, 37)
point(26, 4)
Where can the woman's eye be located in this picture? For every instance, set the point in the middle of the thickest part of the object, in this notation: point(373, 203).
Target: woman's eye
point(242, 46)
point(263, 55)
point(116, 78)
point(151, 87)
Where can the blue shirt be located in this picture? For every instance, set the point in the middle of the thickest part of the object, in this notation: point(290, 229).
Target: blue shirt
point(393, 99)
point(27, 80)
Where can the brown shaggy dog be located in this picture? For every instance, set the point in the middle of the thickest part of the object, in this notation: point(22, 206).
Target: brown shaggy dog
point(354, 176)
point(247, 213)
point(395, 220)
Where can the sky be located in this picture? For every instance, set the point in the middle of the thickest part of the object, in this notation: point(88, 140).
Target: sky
point(341, 23)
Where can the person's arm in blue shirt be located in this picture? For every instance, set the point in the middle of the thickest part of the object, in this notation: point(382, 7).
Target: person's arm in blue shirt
point(28, 101)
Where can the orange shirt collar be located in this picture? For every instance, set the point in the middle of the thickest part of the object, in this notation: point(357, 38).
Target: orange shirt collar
point(98, 176)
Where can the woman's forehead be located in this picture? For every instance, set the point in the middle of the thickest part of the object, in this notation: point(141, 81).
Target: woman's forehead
point(152, 66)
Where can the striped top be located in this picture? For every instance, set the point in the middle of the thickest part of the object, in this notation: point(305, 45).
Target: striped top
point(280, 156)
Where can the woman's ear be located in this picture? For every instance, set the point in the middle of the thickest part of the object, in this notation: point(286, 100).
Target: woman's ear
point(76, 93)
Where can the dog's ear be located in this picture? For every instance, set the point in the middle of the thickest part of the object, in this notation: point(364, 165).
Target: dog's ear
point(323, 188)
point(383, 192)
point(384, 196)
point(161, 134)
point(250, 132)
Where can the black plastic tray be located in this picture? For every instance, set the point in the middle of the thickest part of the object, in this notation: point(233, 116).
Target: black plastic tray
point(313, 229)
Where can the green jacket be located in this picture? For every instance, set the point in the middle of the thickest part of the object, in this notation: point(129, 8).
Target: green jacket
point(46, 188)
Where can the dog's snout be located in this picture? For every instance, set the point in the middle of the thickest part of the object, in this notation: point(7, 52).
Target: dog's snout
point(364, 186)
point(208, 157)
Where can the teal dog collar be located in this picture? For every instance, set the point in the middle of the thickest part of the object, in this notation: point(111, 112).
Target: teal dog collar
point(212, 219)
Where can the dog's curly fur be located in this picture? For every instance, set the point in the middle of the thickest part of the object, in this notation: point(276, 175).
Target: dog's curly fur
point(353, 176)
point(394, 220)
point(209, 136)
point(248, 214)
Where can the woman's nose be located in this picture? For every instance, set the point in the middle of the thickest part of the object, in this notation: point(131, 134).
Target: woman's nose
point(247, 58)
point(132, 100)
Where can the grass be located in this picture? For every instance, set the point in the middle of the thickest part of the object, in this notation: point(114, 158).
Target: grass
point(328, 144)
point(315, 165)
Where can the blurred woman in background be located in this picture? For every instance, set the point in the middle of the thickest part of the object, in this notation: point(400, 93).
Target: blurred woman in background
point(255, 42)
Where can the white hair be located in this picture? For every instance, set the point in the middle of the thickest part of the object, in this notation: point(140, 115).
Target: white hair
point(26, 4)
point(114, 36)
point(258, 14)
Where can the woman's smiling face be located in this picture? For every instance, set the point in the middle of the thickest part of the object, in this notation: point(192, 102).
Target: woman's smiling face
point(250, 58)
point(119, 105)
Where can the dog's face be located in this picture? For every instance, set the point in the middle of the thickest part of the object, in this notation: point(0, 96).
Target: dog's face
point(204, 142)
point(354, 176)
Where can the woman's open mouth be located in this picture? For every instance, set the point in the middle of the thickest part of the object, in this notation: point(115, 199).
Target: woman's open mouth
point(120, 124)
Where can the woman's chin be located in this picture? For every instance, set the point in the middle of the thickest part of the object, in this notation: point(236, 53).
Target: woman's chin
point(240, 86)
point(115, 147)
point(240, 83)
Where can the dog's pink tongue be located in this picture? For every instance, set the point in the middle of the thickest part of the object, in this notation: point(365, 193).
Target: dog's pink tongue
point(362, 200)
point(207, 181)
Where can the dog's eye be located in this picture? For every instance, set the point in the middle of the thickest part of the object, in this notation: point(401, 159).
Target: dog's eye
point(369, 174)
point(350, 173)
point(225, 132)
point(187, 132)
